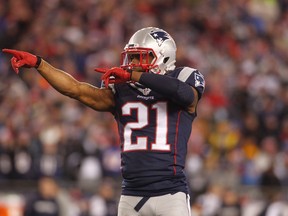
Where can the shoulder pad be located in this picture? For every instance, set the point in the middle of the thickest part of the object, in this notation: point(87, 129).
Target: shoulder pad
point(192, 77)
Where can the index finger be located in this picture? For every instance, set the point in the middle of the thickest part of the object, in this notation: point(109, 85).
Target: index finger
point(13, 52)
point(101, 70)
point(106, 75)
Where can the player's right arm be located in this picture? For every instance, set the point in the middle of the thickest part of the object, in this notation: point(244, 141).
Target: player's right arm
point(97, 99)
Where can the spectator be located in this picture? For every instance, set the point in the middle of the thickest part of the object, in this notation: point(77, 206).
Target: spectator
point(44, 201)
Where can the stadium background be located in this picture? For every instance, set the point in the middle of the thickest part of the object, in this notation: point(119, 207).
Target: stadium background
point(238, 154)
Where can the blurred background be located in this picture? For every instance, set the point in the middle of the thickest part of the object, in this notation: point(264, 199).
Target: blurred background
point(64, 158)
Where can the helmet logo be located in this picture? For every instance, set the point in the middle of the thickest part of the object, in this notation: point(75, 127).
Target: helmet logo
point(159, 37)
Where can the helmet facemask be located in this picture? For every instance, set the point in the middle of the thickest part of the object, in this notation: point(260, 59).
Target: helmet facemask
point(145, 56)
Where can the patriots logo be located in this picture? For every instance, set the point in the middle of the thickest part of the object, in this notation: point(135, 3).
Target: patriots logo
point(160, 37)
point(199, 80)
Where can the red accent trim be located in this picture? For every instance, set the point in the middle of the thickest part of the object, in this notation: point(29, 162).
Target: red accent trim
point(175, 144)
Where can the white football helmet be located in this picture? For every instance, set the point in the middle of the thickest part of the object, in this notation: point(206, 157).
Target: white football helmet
point(153, 42)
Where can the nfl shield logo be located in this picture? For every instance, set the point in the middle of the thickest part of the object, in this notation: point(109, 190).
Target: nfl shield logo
point(146, 91)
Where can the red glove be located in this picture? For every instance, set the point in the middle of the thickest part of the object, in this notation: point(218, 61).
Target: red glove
point(114, 75)
point(22, 59)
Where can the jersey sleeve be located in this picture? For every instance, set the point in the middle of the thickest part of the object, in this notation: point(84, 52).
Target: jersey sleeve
point(194, 78)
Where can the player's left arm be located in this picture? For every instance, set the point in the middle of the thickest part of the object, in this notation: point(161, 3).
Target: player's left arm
point(185, 92)
point(180, 92)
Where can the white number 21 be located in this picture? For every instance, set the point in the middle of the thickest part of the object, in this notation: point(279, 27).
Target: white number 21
point(161, 130)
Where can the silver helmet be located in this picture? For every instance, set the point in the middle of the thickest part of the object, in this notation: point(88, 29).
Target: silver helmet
point(150, 42)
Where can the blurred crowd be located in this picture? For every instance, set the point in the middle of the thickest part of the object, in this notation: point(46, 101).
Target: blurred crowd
point(237, 162)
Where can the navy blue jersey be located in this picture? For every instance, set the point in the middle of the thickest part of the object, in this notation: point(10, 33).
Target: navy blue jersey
point(154, 132)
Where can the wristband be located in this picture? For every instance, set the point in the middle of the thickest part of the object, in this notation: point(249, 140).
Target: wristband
point(38, 62)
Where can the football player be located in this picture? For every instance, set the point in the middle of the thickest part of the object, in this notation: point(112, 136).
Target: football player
point(154, 104)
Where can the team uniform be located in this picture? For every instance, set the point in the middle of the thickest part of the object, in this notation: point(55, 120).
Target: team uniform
point(154, 132)
point(154, 105)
